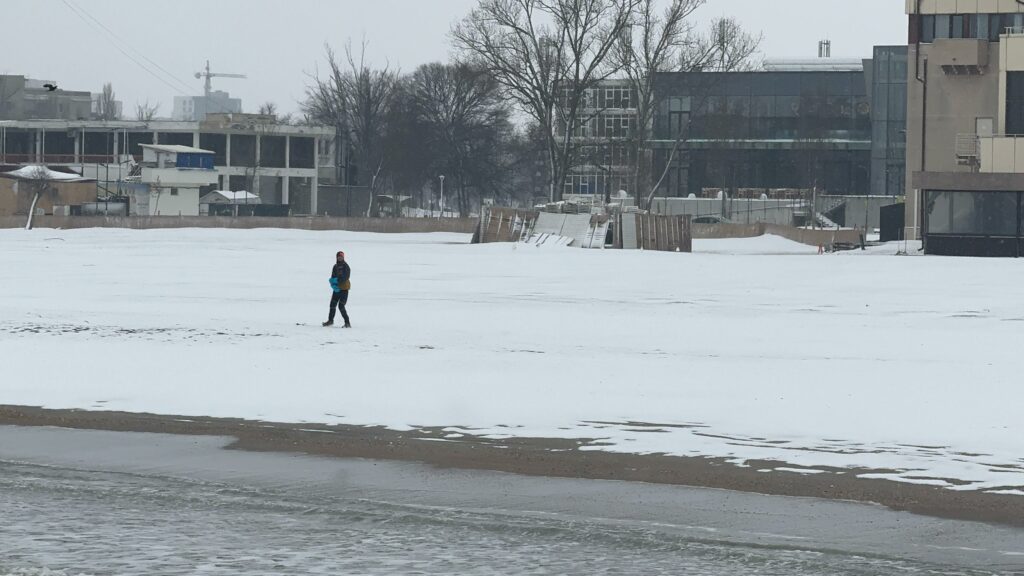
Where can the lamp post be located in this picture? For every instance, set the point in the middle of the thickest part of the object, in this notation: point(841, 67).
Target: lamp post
point(442, 196)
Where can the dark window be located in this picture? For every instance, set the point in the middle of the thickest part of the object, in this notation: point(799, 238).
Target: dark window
point(981, 27)
point(1007, 21)
point(928, 29)
point(175, 138)
point(994, 27)
point(243, 151)
point(218, 144)
point(272, 152)
point(973, 213)
point(1015, 103)
point(943, 25)
point(174, 191)
point(302, 153)
point(958, 27)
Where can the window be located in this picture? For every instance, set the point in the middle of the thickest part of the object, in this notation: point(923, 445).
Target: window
point(174, 191)
point(943, 25)
point(972, 213)
point(1015, 103)
point(928, 29)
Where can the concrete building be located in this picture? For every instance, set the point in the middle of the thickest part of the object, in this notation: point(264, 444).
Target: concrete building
point(965, 125)
point(197, 108)
point(24, 98)
point(170, 180)
point(608, 123)
point(282, 164)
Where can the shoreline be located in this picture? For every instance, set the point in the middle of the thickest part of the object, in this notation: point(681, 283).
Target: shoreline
point(542, 457)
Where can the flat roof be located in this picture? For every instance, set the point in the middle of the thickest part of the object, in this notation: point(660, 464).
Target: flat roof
point(169, 126)
point(176, 149)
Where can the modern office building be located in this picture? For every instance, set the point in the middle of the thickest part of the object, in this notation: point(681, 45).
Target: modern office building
point(837, 126)
point(796, 125)
point(965, 129)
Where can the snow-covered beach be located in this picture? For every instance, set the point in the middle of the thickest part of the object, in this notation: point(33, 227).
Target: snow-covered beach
point(752, 350)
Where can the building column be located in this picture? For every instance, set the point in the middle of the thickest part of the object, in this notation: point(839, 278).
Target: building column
point(40, 137)
point(315, 185)
point(195, 139)
point(78, 146)
point(255, 169)
point(287, 166)
point(156, 137)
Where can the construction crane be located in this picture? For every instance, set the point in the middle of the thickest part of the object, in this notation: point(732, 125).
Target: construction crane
point(207, 74)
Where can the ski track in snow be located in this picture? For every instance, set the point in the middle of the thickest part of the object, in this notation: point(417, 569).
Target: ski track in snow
point(753, 349)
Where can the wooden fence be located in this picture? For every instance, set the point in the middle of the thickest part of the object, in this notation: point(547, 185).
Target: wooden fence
point(504, 225)
point(653, 232)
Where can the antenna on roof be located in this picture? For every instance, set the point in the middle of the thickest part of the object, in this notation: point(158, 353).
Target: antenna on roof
point(825, 49)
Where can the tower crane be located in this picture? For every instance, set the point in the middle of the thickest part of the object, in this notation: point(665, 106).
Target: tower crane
point(207, 74)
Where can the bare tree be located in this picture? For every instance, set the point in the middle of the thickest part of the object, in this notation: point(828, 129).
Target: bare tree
point(656, 42)
point(464, 116)
point(356, 100)
point(547, 54)
point(146, 112)
point(267, 109)
point(107, 109)
point(724, 47)
point(40, 183)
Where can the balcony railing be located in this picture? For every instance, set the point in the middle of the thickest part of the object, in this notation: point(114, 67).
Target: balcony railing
point(967, 149)
point(59, 159)
point(1001, 153)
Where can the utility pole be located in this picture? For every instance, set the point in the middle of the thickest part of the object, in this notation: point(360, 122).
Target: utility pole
point(442, 196)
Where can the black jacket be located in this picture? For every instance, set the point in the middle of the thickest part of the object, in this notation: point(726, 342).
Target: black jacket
point(342, 272)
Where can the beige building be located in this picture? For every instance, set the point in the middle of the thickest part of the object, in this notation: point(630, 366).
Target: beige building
point(965, 126)
point(16, 195)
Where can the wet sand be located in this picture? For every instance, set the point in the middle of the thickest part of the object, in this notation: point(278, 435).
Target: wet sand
point(543, 457)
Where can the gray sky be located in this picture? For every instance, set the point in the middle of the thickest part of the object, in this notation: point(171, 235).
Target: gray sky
point(278, 42)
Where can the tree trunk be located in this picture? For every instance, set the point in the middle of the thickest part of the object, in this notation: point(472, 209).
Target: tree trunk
point(32, 209)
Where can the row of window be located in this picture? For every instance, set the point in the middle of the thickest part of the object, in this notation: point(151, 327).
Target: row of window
point(595, 183)
point(980, 26)
point(606, 155)
point(615, 97)
point(605, 126)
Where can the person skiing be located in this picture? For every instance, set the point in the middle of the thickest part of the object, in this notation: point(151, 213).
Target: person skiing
point(340, 284)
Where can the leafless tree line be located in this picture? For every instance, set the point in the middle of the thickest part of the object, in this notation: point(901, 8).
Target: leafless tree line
point(536, 59)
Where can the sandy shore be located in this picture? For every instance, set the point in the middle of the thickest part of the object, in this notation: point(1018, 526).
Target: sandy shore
point(542, 457)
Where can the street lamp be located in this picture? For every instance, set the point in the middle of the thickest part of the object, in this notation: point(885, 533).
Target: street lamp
point(442, 196)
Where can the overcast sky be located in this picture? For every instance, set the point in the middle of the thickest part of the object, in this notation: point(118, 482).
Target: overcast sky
point(277, 43)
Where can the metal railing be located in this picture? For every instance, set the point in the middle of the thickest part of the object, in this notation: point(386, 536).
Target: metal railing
point(967, 147)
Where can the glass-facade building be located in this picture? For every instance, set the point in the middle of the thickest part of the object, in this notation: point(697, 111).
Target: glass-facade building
point(840, 131)
point(887, 74)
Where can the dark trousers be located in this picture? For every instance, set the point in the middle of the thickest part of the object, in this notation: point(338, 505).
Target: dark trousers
point(338, 301)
